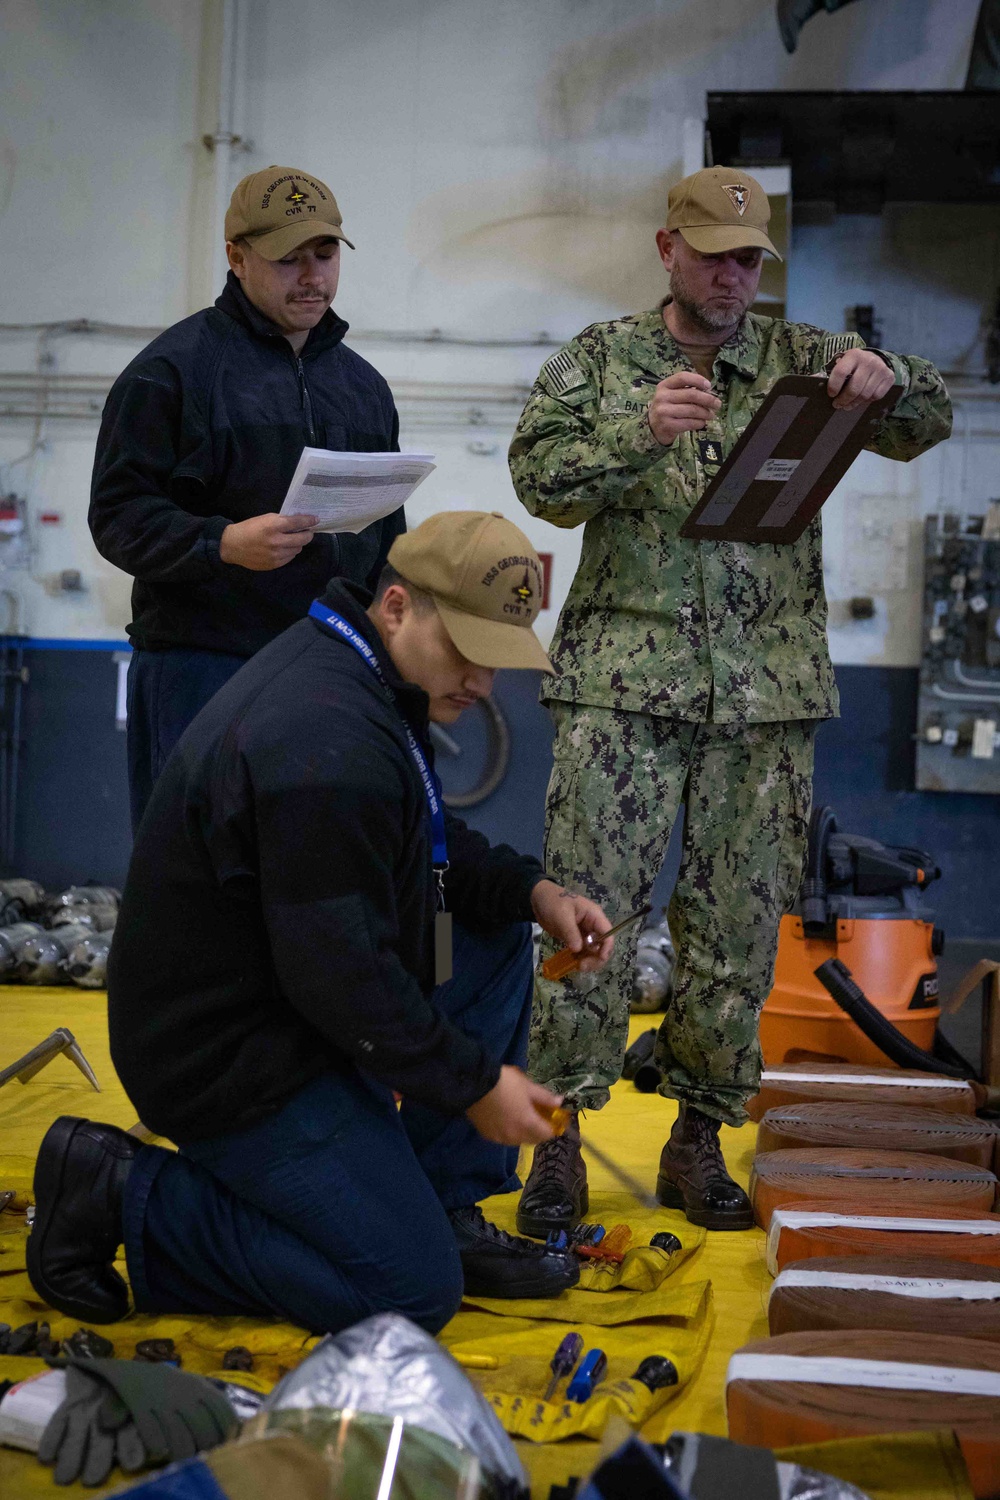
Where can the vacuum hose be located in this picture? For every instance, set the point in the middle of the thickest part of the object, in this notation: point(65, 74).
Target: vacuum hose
point(813, 893)
point(835, 977)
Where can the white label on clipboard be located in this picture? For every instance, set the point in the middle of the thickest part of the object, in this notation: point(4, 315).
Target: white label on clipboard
point(778, 469)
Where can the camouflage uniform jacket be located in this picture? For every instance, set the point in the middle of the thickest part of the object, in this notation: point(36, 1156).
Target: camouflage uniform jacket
point(723, 631)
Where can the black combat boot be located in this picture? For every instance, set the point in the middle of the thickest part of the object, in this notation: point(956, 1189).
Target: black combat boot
point(693, 1175)
point(498, 1264)
point(555, 1195)
point(80, 1177)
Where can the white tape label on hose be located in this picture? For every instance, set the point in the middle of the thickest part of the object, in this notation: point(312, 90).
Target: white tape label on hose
point(902, 1286)
point(873, 1374)
point(804, 1218)
point(931, 1081)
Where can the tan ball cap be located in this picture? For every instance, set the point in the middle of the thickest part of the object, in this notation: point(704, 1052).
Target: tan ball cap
point(719, 209)
point(279, 208)
point(486, 581)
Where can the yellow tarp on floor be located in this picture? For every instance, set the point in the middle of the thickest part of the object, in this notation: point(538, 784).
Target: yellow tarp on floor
point(632, 1129)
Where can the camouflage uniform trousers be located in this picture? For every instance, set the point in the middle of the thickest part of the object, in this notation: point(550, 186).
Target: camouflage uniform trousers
point(618, 782)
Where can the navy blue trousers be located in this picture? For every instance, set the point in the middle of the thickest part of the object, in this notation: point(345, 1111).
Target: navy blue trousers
point(166, 689)
point(333, 1208)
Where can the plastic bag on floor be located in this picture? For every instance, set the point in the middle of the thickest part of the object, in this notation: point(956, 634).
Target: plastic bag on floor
point(388, 1367)
point(714, 1468)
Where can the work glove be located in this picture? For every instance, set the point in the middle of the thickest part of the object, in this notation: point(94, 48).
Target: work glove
point(121, 1411)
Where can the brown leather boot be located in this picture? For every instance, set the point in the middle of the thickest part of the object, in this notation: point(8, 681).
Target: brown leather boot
point(693, 1175)
point(555, 1195)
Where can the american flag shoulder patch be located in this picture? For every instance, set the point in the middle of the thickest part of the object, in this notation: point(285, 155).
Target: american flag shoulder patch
point(562, 374)
point(836, 344)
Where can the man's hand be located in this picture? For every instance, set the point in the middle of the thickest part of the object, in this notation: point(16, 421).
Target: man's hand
point(509, 1113)
point(859, 376)
point(266, 542)
point(571, 919)
point(681, 403)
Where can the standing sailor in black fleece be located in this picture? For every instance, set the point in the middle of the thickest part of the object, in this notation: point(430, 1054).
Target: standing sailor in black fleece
point(199, 440)
point(280, 966)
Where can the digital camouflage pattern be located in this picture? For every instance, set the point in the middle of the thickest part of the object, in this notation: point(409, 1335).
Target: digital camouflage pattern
point(617, 783)
point(689, 672)
point(655, 623)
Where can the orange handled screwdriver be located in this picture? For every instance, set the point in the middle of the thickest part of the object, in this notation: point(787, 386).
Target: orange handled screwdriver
point(565, 961)
point(612, 1247)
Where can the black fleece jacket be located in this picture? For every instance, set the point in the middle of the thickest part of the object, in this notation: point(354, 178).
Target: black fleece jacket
point(205, 427)
point(277, 919)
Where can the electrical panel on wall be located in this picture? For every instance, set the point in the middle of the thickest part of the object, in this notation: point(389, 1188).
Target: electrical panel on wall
point(958, 725)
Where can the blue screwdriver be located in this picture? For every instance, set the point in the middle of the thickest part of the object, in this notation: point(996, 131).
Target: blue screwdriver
point(564, 1361)
point(590, 1373)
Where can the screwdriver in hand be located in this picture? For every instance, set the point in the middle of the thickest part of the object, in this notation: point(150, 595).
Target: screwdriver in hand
point(564, 1361)
point(565, 961)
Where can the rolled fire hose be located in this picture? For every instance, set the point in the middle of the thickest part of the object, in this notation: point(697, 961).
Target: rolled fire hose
point(862, 1227)
point(892, 1179)
point(41, 957)
point(908, 1295)
point(885, 1127)
point(814, 1387)
point(97, 918)
point(10, 941)
point(856, 1083)
point(87, 961)
point(87, 895)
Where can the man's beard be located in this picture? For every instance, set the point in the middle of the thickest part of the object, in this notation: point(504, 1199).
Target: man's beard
point(709, 319)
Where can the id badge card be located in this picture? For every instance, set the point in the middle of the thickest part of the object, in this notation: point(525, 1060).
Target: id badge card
point(443, 965)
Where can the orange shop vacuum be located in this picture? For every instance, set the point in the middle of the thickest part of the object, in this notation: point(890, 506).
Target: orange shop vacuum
point(861, 919)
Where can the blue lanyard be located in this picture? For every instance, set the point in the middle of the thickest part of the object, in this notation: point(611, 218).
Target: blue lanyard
point(432, 786)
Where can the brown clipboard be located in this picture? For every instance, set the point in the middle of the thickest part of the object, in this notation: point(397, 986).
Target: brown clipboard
point(786, 464)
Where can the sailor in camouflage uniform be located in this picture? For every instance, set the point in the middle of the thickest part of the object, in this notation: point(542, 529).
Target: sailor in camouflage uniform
point(690, 675)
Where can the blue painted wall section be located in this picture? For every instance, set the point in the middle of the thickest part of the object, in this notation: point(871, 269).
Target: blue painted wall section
point(73, 822)
point(73, 810)
point(864, 770)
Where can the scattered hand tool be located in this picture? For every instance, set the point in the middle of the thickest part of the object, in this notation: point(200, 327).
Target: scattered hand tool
point(563, 1362)
point(591, 1372)
point(61, 1040)
point(611, 1247)
point(476, 1361)
point(559, 1118)
point(556, 1239)
point(666, 1241)
point(656, 1371)
point(565, 961)
point(587, 1234)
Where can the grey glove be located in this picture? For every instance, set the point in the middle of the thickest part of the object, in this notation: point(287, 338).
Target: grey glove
point(124, 1412)
point(90, 1433)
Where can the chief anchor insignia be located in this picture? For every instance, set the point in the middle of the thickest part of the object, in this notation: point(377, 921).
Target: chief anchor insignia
point(523, 590)
point(296, 196)
point(740, 195)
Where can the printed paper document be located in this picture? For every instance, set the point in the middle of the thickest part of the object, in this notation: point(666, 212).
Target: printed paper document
point(348, 491)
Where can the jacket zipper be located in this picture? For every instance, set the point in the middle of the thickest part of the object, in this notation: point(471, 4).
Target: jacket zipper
point(306, 401)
